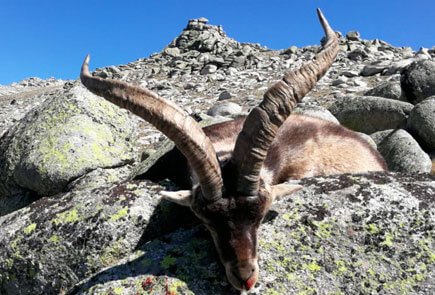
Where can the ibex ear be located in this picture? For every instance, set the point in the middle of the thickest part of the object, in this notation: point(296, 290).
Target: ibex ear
point(183, 198)
point(284, 189)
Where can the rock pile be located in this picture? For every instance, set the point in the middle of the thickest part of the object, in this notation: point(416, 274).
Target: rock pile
point(200, 48)
point(90, 220)
point(387, 117)
point(19, 98)
point(29, 84)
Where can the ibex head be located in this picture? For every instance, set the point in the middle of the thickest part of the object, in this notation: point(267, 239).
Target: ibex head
point(233, 221)
point(232, 198)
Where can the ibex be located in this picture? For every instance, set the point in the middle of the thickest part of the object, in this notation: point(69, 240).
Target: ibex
point(232, 197)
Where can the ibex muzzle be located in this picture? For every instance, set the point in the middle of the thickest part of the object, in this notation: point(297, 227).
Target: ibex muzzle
point(232, 201)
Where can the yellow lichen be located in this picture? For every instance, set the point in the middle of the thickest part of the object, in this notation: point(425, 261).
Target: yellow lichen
point(312, 267)
point(54, 239)
point(30, 228)
point(67, 217)
point(388, 240)
point(121, 213)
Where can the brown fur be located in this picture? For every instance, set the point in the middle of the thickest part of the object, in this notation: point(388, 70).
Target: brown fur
point(307, 146)
point(304, 146)
point(223, 137)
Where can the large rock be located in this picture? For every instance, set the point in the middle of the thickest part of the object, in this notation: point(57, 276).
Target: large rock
point(387, 67)
point(225, 109)
point(315, 111)
point(418, 80)
point(62, 140)
point(347, 234)
point(369, 114)
point(209, 69)
point(358, 54)
point(398, 66)
point(55, 242)
point(353, 36)
point(379, 136)
point(389, 89)
point(401, 151)
point(375, 67)
point(421, 122)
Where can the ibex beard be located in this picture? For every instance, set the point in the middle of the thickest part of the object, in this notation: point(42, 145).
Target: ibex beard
point(231, 198)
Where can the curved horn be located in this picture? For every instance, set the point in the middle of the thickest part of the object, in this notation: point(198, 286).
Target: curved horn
point(263, 122)
point(170, 120)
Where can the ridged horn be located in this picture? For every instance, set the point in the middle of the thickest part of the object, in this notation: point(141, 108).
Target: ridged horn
point(170, 120)
point(263, 122)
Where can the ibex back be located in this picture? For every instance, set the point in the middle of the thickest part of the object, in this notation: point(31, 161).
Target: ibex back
point(232, 193)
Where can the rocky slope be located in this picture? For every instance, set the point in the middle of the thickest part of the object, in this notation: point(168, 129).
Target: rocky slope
point(67, 159)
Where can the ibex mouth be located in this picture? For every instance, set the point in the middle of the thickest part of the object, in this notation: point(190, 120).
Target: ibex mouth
point(250, 283)
point(244, 277)
point(246, 284)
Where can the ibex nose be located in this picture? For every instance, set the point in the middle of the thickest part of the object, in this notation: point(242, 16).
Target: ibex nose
point(244, 274)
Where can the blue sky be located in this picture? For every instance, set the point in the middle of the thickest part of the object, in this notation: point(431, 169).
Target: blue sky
point(47, 38)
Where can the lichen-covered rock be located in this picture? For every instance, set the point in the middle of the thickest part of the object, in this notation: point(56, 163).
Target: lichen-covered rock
point(369, 114)
point(347, 234)
point(55, 242)
point(421, 122)
point(184, 262)
point(100, 177)
point(61, 140)
point(418, 80)
point(401, 151)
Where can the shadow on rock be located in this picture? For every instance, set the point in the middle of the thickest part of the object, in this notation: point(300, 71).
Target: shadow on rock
point(183, 262)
